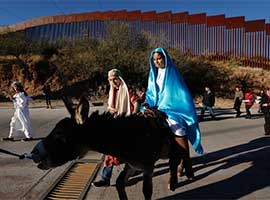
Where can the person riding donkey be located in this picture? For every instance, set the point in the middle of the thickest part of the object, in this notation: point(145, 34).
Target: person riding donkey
point(168, 93)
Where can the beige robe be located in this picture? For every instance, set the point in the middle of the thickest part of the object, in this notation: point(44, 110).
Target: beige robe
point(122, 102)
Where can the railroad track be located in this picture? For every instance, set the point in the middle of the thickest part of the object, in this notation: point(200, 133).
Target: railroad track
point(74, 182)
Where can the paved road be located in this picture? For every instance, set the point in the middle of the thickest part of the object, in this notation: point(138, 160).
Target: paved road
point(235, 164)
point(21, 179)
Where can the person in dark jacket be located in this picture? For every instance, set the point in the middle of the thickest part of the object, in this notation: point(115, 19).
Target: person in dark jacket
point(47, 94)
point(265, 103)
point(208, 102)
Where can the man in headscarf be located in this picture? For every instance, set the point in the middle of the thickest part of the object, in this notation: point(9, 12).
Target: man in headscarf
point(118, 104)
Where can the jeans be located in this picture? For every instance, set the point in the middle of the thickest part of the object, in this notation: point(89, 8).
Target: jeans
point(107, 173)
point(237, 106)
point(209, 108)
point(248, 111)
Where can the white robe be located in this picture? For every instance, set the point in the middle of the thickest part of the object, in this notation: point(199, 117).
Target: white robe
point(177, 128)
point(122, 99)
point(21, 119)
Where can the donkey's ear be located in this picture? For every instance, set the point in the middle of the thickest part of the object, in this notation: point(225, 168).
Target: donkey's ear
point(82, 110)
point(69, 105)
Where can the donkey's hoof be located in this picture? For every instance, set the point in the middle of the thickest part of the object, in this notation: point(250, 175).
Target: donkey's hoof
point(172, 185)
point(192, 178)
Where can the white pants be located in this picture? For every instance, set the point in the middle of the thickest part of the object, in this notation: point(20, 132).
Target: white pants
point(17, 125)
point(177, 128)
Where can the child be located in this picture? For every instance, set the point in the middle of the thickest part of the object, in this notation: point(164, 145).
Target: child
point(21, 119)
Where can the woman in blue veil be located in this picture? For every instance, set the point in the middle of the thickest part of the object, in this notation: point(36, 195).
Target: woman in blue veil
point(168, 92)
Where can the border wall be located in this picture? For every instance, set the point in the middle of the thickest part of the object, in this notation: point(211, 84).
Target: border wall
point(216, 37)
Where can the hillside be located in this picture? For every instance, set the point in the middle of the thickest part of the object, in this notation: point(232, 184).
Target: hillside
point(36, 71)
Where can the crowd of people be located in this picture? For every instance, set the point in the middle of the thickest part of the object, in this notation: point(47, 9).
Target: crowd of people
point(166, 91)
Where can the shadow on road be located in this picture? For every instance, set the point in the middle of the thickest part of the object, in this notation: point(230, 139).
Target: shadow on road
point(226, 113)
point(21, 139)
point(247, 181)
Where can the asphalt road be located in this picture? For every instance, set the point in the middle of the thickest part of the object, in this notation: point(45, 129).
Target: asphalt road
point(19, 178)
point(235, 164)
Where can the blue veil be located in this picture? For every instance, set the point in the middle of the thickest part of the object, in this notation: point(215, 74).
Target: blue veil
point(174, 99)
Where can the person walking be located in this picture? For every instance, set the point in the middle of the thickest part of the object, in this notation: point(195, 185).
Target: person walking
point(118, 104)
point(208, 102)
point(258, 100)
point(238, 97)
point(249, 99)
point(265, 103)
point(20, 122)
point(167, 92)
point(47, 94)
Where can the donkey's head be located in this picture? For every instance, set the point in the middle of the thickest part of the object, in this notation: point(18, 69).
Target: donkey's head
point(65, 142)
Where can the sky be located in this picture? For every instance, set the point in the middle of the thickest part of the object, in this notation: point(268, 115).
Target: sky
point(15, 11)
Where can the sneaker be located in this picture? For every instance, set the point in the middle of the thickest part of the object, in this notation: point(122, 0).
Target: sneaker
point(28, 139)
point(8, 139)
point(101, 183)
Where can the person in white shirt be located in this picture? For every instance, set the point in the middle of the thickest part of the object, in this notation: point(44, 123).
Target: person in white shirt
point(20, 122)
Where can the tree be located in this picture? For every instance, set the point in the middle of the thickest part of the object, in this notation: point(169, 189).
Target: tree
point(14, 43)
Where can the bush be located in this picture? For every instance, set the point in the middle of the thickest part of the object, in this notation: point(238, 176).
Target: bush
point(87, 61)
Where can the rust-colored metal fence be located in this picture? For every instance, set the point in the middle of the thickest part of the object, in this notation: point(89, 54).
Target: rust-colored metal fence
point(216, 37)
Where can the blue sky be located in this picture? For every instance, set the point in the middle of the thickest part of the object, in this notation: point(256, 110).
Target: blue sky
point(14, 11)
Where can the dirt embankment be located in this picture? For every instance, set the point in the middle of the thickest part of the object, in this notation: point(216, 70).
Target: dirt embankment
point(36, 71)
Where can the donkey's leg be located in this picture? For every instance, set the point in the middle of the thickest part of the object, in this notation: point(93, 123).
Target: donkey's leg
point(173, 164)
point(148, 182)
point(121, 181)
point(174, 161)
